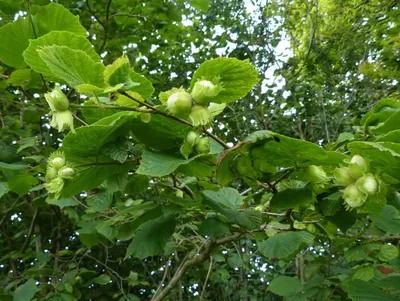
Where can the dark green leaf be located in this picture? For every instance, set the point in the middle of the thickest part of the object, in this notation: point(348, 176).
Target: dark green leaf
point(363, 291)
point(26, 291)
point(152, 237)
point(388, 220)
point(284, 285)
point(22, 183)
point(292, 198)
point(284, 244)
point(213, 228)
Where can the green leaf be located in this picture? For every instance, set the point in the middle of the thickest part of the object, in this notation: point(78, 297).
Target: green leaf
point(56, 38)
point(237, 77)
point(90, 176)
point(89, 140)
point(118, 73)
point(331, 204)
point(117, 150)
point(16, 34)
point(380, 156)
point(117, 182)
point(249, 219)
point(392, 123)
point(364, 291)
point(26, 291)
point(88, 233)
point(152, 237)
point(100, 201)
point(285, 244)
point(228, 197)
point(107, 231)
point(201, 5)
point(26, 143)
point(46, 19)
point(393, 136)
point(197, 168)
point(360, 252)
point(102, 279)
point(343, 219)
point(277, 150)
point(20, 77)
point(3, 189)
point(235, 261)
point(213, 228)
point(95, 114)
point(388, 252)
point(364, 273)
point(388, 220)
point(286, 152)
point(224, 172)
point(159, 164)
point(284, 285)
point(145, 88)
point(73, 66)
point(89, 240)
point(11, 7)
point(56, 17)
point(67, 297)
point(292, 198)
point(62, 202)
point(137, 184)
point(22, 183)
point(160, 133)
point(391, 281)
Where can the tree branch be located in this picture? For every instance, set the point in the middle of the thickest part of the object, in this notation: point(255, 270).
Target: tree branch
point(196, 260)
point(170, 116)
point(105, 34)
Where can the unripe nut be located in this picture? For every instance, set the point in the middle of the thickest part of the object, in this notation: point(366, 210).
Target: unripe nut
point(360, 161)
point(200, 115)
point(57, 162)
point(179, 103)
point(204, 90)
point(353, 196)
point(66, 172)
point(343, 177)
point(192, 138)
point(315, 174)
point(57, 100)
point(203, 146)
point(368, 184)
point(51, 172)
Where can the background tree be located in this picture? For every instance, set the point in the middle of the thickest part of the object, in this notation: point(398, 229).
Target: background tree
point(273, 218)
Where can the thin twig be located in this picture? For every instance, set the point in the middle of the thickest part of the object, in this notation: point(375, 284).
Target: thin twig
point(288, 172)
point(113, 272)
point(109, 108)
point(205, 281)
point(105, 34)
point(268, 186)
point(80, 120)
point(31, 228)
point(163, 278)
point(183, 186)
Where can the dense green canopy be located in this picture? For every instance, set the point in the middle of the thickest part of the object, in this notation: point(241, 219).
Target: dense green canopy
point(199, 150)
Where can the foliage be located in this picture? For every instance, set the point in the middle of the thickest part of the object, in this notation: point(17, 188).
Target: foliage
point(136, 165)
